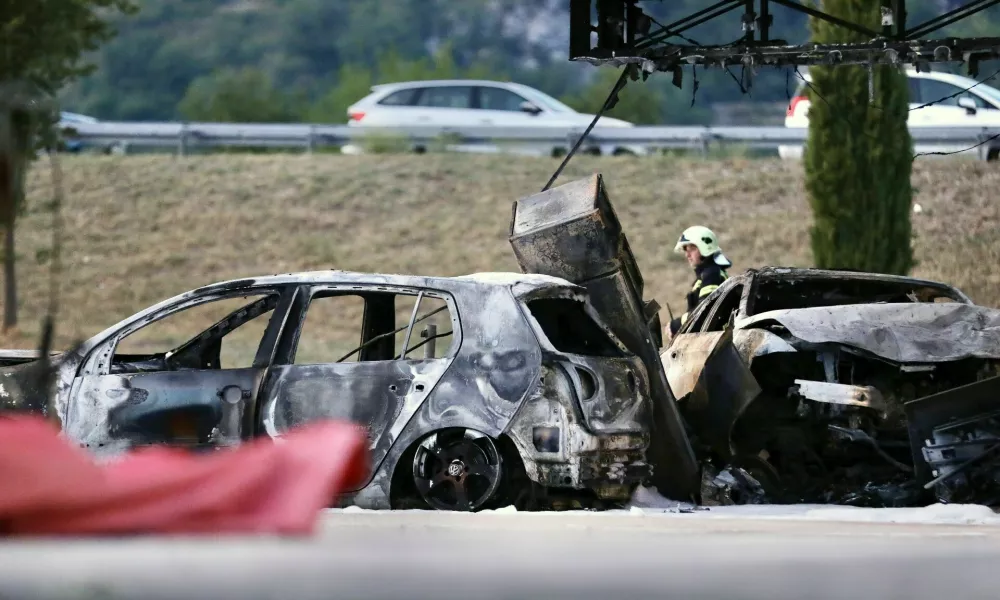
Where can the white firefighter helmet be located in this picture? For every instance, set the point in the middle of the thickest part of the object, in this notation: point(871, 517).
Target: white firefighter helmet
point(704, 239)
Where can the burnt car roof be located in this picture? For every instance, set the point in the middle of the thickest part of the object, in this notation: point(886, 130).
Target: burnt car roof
point(520, 285)
point(813, 273)
point(524, 282)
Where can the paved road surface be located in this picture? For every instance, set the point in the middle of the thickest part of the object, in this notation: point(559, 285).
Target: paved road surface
point(412, 555)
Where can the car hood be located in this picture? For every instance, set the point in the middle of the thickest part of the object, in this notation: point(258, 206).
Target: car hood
point(905, 333)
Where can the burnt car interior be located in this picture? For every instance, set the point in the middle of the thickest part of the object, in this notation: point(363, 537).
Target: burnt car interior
point(374, 326)
point(803, 447)
point(204, 351)
point(778, 293)
point(570, 329)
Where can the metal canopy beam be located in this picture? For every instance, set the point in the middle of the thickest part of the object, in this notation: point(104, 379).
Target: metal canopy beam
point(962, 12)
point(633, 42)
point(668, 57)
point(812, 12)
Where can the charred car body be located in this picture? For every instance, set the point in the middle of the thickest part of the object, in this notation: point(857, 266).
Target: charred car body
point(784, 385)
point(473, 390)
point(793, 385)
point(835, 386)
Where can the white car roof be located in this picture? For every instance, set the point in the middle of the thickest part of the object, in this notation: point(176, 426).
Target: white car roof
point(441, 83)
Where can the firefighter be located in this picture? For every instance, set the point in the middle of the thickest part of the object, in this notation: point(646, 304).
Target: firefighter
point(701, 248)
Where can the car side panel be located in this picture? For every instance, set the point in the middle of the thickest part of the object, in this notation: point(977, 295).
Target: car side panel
point(496, 368)
point(380, 396)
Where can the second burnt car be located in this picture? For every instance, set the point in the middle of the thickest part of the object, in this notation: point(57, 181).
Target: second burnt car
point(474, 391)
point(840, 386)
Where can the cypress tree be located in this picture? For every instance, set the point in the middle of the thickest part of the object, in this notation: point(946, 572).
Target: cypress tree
point(859, 155)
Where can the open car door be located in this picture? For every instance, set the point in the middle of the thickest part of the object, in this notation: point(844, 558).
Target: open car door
point(143, 388)
point(712, 384)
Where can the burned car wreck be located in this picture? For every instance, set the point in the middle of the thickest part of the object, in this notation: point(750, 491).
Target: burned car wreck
point(793, 385)
point(474, 391)
point(552, 388)
point(832, 386)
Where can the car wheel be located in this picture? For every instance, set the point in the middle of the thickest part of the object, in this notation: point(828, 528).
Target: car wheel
point(457, 469)
point(993, 154)
point(623, 152)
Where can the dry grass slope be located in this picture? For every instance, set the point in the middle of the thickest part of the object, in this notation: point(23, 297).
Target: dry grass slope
point(140, 229)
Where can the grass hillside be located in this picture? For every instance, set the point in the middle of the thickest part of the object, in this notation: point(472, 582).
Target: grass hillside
point(140, 229)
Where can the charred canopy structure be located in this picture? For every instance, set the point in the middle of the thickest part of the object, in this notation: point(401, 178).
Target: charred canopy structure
point(625, 34)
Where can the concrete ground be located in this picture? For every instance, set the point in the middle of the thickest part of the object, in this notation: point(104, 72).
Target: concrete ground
point(638, 554)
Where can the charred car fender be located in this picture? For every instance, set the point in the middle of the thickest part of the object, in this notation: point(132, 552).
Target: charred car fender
point(559, 450)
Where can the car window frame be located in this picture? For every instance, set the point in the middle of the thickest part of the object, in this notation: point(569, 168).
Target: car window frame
point(479, 98)
point(423, 92)
point(699, 311)
point(415, 91)
point(748, 308)
point(98, 360)
point(939, 99)
point(284, 354)
point(723, 295)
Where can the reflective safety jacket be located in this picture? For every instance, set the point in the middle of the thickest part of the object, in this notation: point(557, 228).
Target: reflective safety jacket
point(708, 277)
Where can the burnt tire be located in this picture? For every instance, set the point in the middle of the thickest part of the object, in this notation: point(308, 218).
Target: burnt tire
point(457, 470)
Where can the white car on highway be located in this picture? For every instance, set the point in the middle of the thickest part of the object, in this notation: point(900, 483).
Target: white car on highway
point(476, 103)
point(977, 106)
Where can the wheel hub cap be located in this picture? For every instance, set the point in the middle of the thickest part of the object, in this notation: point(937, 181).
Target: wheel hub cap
point(456, 468)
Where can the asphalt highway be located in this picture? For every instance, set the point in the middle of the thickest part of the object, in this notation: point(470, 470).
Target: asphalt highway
point(411, 555)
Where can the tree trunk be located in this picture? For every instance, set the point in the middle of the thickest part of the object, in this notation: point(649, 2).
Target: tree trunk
point(9, 275)
point(15, 141)
point(8, 210)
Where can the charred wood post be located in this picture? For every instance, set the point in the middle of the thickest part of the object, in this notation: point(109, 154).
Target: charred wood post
point(23, 106)
point(9, 192)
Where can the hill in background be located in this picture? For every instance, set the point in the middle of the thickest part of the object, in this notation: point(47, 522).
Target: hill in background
point(304, 49)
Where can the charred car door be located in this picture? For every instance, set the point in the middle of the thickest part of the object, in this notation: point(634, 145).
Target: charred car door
point(154, 382)
point(368, 354)
point(706, 373)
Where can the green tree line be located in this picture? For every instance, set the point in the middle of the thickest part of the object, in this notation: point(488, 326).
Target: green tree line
point(309, 58)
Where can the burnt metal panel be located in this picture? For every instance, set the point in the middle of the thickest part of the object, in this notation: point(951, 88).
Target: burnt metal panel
point(684, 360)
point(496, 365)
point(902, 332)
point(572, 232)
point(375, 395)
point(613, 392)
point(723, 390)
point(146, 402)
point(930, 413)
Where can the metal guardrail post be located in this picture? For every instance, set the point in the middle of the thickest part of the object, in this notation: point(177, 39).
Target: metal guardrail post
point(311, 139)
point(182, 140)
point(703, 141)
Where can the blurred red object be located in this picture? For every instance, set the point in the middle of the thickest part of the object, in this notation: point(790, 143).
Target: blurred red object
point(48, 486)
